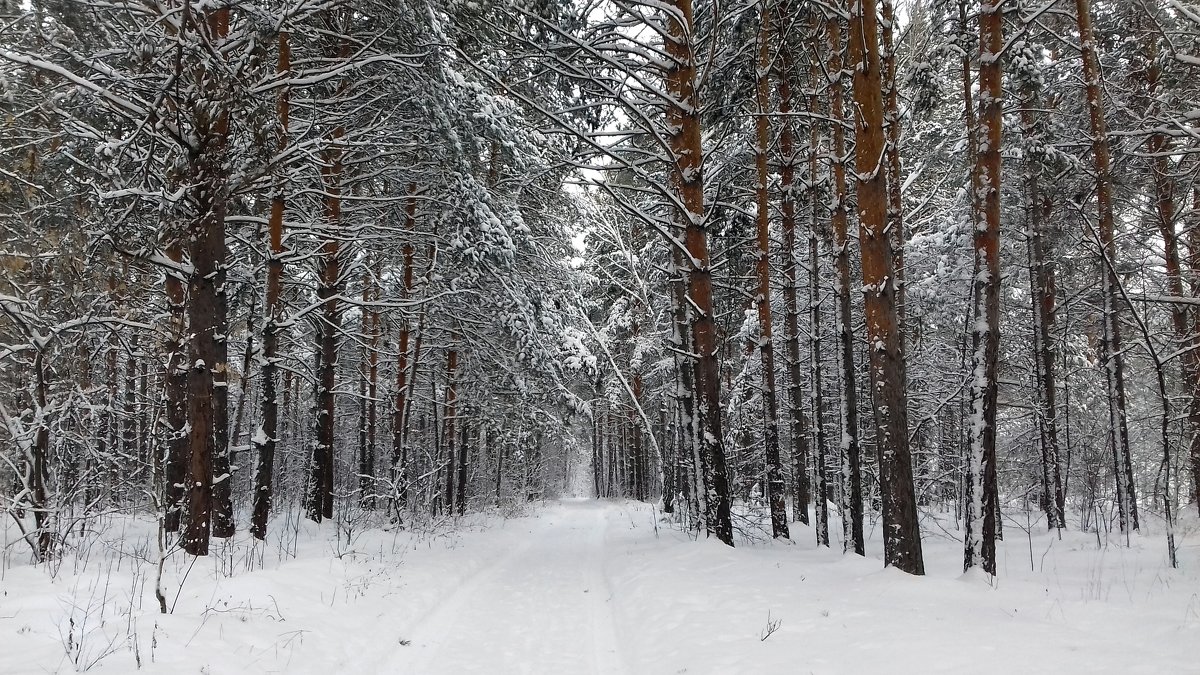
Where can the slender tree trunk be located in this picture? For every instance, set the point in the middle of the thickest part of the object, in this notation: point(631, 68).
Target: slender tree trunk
point(267, 435)
point(1043, 302)
point(175, 390)
point(129, 433)
point(449, 417)
point(1111, 354)
point(891, 118)
point(399, 417)
point(1193, 387)
point(107, 471)
point(821, 500)
point(851, 472)
point(776, 488)
point(460, 501)
point(637, 432)
point(980, 538)
point(500, 452)
point(787, 187)
point(368, 387)
point(320, 500)
point(37, 467)
point(687, 179)
point(597, 450)
point(901, 534)
point(1159, 147)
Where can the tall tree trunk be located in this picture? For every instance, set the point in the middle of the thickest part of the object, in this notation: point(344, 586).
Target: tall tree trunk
point(821, 501)
point(901, 534)
point(373, 389)
point(597, 458)
point(1193, 387)
point(637, 434)
point(267, 435)
point(222, 490)
point(206, 312)
point(320, 500)
point(368, 386)
point(38, 461)
point(980, 538)
point(500, 452)
point(399, 417)
point(787, 188)
point(851, 472)
point(1043, 305)
point(104, 476)
point(449, 418)
point(460, 500)
point(891, 118)
point(1110, 349)
point(129, 433)
point(686, 391)
point(1159, 147)
point(175, 391)
point(687, 179)
point(776, 489)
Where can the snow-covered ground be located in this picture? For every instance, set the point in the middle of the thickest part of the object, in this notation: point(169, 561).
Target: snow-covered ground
point(583, 586)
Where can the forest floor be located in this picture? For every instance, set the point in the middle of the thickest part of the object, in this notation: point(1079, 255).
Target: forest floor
point(585, 586)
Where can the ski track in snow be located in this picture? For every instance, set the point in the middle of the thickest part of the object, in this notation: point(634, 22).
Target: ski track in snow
point(598, 587)
point(546, 606)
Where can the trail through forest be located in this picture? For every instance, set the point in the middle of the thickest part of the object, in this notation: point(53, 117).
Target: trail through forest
point(601, 586)
point(546, 604)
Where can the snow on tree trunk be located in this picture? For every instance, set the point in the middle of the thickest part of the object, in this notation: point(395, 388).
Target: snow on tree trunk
point(901, 534)
point(850, 452)
point(1111, 354)
point(687, 179)
point(980, 527)
point(776, 489)
point(1043, 306)
point(267, 435)
point(787, 189)
point(175, 390)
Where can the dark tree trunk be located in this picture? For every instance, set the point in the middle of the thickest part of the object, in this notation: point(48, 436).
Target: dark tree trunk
point(267, 435)
point(821, 501)
point(460, 501)
point(206, 315)
point(222, 488)
point(38, 462)
point(851, 471)
point(399, 413)
point(787, 187)
point(449, 417)
point(1111, 351)
point(320, 500)
point(776, 488)
point(175, 388)
point(1193, 387)
point(1041, 281)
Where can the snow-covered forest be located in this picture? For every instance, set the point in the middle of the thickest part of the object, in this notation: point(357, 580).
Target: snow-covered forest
point(607, 336)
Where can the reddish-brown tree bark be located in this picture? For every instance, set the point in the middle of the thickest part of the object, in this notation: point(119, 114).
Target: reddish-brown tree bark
point(687, 179)
point(902, 537)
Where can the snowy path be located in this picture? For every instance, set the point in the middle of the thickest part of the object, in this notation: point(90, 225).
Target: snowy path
point(605, 588)
point(544, 607)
